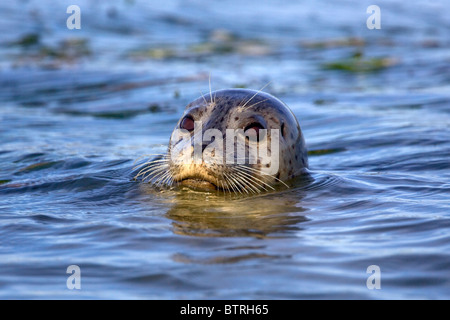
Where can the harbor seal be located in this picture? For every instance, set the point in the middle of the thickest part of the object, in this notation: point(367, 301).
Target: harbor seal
point(232, 140)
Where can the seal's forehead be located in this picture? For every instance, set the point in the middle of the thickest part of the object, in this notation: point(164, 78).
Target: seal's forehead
point(222, 99)
point(232, 98)
point(245, 97)
point(240, 104)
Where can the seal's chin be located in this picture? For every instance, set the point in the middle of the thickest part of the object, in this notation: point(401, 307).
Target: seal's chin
point(198, 184)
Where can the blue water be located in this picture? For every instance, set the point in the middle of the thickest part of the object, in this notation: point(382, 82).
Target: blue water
point(78, 107)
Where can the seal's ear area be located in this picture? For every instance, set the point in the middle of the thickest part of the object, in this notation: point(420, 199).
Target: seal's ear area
point(187, 123)
point(283, 129)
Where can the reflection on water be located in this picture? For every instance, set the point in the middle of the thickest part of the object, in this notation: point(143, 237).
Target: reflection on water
point(78, 107)
point(227, 215)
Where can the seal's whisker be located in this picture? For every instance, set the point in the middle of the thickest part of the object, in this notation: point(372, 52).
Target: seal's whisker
point(230, 183)
point(262, 174)
point(257, 103)
point(234, 185)
point(210, 91)
point(160, 176)
point(155, 160)
point(229, 187)
point(225, 188)
point(171, 180)
point(255, 171)
point(155, 172)
point(152, 175)
point(241, 167)
point(247, 182)
point(163, 178)
point(148, 177)
point(250, 177)
point(237, 185)
point(154, 165)
point(240, 184)
point(150, 162)
point(143, 171)
point(148, 155)
point(258, 186)
point(245, 179)
point(244, 184)
point(258, 92)
point(223, 184)
point(163, 157)
point(159, 180)
point(204, 99)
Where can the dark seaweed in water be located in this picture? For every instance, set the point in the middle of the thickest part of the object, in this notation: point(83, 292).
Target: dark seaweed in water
point(78, 107)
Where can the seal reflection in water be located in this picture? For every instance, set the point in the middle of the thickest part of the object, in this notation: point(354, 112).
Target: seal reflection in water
point(260, 216)
point(234, 140)
point(213, 214)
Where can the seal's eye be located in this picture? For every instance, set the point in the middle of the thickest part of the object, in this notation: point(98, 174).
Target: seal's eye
point(187, 123)
point(256, 127)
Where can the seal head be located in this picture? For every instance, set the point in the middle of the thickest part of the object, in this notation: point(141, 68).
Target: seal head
point(235, 140)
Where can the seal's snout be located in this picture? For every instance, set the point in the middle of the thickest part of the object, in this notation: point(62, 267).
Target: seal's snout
point(197, 184)
point(197, 176)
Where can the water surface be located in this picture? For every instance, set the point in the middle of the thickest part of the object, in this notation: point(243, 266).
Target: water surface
point(77, 108)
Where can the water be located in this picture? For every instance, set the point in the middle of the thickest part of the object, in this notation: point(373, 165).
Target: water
point(78, 107)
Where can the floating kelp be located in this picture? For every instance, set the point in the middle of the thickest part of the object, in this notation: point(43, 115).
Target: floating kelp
point(356, 63)
point(27, 40)
point(114, 114)
point(34, 51)
point(153, 53)
point(334, 43)
point(39, 166)
point(219, 42)
point(321, 152)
